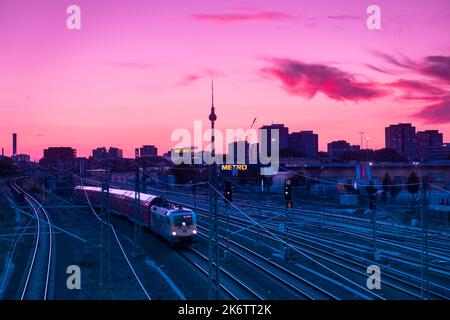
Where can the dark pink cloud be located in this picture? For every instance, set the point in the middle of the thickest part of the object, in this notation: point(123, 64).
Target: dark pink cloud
point(193, 77)
point(434, 66)
point(418, 90)
point(436, 113)
point(189, 78)
point(402, 62)
point(306, 80)
point(379, 69)
point(227, 18)
point(417, 86)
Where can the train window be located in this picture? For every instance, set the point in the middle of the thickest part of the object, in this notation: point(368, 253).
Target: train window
point(182, 219)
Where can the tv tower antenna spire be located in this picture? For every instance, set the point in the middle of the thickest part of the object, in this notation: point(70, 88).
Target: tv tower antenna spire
point(213, 236)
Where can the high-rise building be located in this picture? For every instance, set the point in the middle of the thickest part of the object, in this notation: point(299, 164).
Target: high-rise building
point(102, 153)
point(60, 153)
point(148, 151)
point(283, 137)
point(14, 137)
point(99, 153)
point(115, 152)
point(441, 152)
point(336, 148)
point(425, 140)
point(402, 138)
point(306, 142)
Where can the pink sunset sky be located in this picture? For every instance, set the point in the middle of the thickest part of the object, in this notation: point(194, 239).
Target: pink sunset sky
point(137, 70)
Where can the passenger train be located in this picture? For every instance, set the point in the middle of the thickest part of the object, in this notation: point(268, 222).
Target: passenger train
point(171, 221)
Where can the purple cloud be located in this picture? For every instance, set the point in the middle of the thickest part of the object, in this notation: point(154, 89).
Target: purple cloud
point(419, 90)
point(436, 113)
point(402, 62)
point(432, 66)
point(382, 70)
point(436, 66)
point(306, 80)
point(227, 18)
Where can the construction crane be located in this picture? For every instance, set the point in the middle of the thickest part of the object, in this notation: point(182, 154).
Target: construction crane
point(249, 130)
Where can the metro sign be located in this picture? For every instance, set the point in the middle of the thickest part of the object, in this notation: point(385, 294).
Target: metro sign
point(231, 167)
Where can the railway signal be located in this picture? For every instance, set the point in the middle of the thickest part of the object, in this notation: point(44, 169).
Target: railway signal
point(194, 194)
point(228, 191)
point(289, 204)
point(424, 253)
point(288, 193)
point(137, 200)
point(372, 195)
point(229, 198)
point(288, 189)
point(105, 237)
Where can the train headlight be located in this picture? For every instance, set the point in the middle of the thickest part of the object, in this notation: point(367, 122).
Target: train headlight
point(174, 233)
point(194, 231)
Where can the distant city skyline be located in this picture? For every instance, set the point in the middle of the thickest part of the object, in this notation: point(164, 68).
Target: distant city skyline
point(400, 137)
point(137, 71)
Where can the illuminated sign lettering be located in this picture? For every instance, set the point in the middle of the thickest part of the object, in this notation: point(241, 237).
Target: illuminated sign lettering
point(230, 167)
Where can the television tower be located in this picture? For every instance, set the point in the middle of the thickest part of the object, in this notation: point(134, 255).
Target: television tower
point(213, 236)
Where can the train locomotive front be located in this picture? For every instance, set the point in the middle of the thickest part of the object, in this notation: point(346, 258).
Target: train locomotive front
point(173, 222)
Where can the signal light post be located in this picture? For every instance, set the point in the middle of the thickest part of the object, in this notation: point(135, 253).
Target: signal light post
point(260, 186)
point(229, 199)
point(194, 195)
point(144, 176)
point(137, 200)
point(425, 279)
point(228, 191)
point(372, 194)
point(105, 239)
point(289, 205)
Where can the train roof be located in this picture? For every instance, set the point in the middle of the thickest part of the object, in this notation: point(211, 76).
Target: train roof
point(144, 197)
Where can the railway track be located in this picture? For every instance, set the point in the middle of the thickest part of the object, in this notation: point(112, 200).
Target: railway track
point(438, 250)
point(298, 285)
point(412, 258)
point(231, 285)
point(37, 284)
point(438, 241)
point(356, 264)
point(400, 281)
